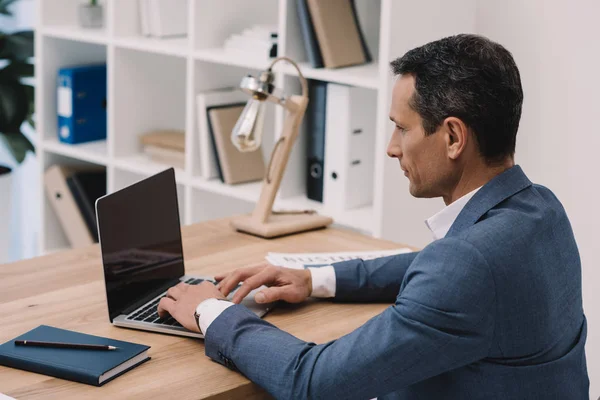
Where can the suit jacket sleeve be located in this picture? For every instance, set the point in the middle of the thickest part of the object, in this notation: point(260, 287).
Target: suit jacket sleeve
point(442, 319)
point(372, 280)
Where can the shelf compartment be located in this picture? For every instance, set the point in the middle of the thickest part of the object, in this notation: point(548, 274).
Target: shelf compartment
point(55, 54)
point(149, 95)
point(128, 32)
point(54, 238)
point(217, 20)
point(60, 18)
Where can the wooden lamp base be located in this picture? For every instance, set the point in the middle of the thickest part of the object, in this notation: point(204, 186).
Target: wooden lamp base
point(280, 224)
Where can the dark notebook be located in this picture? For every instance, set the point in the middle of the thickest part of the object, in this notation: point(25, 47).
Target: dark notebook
point(86, 188)
point(94, 367)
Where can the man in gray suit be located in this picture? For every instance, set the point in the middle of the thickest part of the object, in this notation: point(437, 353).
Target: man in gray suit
point(491, 309)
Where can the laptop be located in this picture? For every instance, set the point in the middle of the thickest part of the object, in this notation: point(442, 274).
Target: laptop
point(140, 238)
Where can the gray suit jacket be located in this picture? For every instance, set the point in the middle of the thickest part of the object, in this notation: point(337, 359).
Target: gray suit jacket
point(491, 311)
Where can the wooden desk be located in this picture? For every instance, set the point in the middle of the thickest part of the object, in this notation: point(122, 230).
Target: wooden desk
point(66, 290)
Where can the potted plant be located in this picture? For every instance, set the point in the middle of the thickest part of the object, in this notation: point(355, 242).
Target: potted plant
point(16, 95)
point(16, 106)
point(91, 14)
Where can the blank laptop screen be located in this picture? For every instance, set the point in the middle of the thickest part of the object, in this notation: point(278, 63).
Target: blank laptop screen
point(140, 238)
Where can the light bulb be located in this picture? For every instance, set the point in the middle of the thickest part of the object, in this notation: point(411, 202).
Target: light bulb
point(246, 135)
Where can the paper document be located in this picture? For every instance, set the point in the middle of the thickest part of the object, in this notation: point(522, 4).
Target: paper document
point(303, 260)
point(5, 397)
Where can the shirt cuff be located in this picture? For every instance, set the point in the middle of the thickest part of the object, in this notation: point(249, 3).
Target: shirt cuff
point(323, 281)
point(209, 310)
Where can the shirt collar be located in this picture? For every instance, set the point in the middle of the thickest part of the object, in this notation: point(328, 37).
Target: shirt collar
point(440, 223)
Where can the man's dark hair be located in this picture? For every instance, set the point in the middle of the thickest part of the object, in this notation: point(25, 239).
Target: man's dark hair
point(471, 78)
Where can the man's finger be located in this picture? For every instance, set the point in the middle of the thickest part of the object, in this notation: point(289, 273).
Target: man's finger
point(220, 277)
point(182, 286)
point(266, 276)
point(272, 294)
point(175, 292)
point(231, 282)
point(165, 306)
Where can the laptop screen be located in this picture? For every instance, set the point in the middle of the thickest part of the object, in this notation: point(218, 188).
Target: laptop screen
point(140, 238)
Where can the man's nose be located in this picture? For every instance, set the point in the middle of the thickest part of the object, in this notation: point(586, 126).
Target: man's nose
point(394, 150)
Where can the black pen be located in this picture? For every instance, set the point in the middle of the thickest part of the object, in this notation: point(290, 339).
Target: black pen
point(64, 345)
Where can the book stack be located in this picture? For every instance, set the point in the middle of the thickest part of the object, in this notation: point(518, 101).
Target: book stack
point(258, 42)
point(73, 194)
point(163, 18)
point(331, 33)
point(165, 147)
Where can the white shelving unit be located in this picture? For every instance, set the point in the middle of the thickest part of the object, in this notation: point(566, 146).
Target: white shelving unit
point(152, 84)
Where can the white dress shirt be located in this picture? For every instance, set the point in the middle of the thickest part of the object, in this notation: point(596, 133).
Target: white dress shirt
point(323, 278)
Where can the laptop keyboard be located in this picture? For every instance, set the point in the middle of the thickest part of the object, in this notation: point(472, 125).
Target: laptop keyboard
point(149, 313)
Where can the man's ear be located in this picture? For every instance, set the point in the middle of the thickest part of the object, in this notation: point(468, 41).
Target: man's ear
point(456, 136)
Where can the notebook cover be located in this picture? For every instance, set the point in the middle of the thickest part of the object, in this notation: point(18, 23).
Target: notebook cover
point(85, 366)
point(337, 32)
point(86, 188)
point(234, 166)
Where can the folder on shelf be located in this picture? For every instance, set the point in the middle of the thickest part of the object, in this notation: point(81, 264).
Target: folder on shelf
point(233, 166)
point(87, 187)
point(349, 147)
point(167, 18)
point(338, 33)
point(315, 132)
point(65, 206)
point(311, 44)
point(81, 103)
point(226, 96)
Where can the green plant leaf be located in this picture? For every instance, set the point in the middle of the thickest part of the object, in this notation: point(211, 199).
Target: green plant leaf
point(4, 4)
point(17, 70)
point(17, 144)
point(17, 46)
point(14, 105)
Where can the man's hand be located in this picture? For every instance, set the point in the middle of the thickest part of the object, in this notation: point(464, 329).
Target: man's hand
point(182, 300)
point(286, 284)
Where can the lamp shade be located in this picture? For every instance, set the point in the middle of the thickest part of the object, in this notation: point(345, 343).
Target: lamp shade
point(246, 135)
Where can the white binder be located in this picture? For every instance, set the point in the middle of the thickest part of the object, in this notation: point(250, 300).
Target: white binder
point(208, 160)
point(349, 147)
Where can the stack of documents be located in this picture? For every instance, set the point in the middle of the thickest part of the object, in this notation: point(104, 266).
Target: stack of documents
point(304, 260)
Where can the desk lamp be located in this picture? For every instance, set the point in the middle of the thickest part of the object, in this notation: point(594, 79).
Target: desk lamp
point(247, 135)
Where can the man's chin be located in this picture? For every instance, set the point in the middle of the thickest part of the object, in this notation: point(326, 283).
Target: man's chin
point(420, 193)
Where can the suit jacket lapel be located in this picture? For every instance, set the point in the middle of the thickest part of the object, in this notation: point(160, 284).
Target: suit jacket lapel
point(490, 195)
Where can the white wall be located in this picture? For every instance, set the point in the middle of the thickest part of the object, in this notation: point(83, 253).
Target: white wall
point(556, 46)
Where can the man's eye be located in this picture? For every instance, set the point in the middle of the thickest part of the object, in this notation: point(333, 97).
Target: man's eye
point(401, 129)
